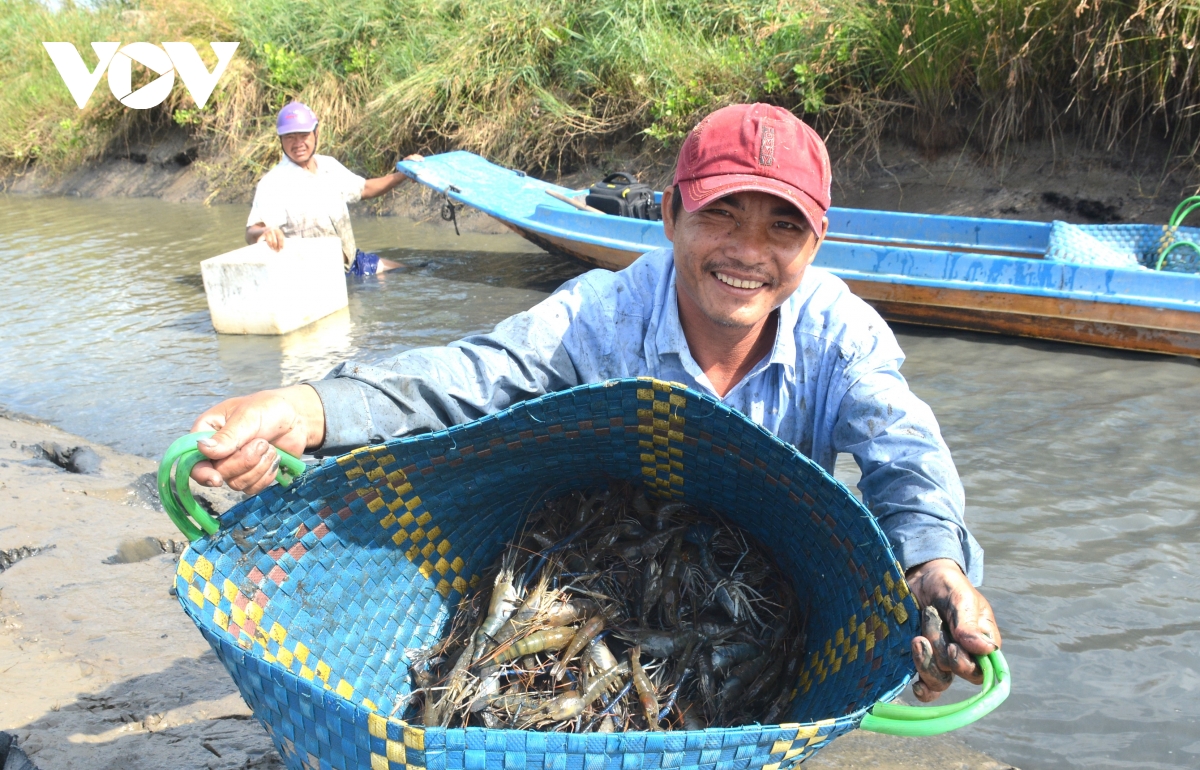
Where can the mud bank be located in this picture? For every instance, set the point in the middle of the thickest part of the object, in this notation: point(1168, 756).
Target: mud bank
point(100, 668)
point(1040, 180)
point(160, 165)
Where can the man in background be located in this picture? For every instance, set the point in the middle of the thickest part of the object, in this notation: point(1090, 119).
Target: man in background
point(306, 195)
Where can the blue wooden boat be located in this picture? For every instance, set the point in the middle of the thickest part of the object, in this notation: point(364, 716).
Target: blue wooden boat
point(987, 275)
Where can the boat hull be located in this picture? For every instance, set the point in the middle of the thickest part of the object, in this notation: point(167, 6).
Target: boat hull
point(591, 254)
point(984, 275)
point(1083, 322)
point(1078, 321)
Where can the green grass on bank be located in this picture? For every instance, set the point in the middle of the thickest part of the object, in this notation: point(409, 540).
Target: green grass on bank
point(543, 84)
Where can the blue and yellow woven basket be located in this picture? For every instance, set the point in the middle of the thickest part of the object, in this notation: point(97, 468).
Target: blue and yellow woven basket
point(315, 596)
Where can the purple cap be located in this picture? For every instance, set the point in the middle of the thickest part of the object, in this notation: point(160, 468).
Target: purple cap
point(295, 118)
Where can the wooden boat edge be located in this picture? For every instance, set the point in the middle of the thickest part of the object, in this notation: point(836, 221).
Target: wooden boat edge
point(1099, 324)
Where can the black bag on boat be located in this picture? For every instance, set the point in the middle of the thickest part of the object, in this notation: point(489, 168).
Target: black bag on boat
point(623, 196)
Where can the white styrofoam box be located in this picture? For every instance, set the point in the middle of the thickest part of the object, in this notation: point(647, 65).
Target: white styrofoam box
point(254, 290)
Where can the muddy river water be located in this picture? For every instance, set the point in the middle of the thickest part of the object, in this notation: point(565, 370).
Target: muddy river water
point(1082, 466)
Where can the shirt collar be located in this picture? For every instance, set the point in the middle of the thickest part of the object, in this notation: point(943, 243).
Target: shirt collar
point(669, 336)
point(784, 350)
point(290, 164)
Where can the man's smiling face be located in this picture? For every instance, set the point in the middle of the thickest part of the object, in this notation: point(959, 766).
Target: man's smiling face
point(741, 256)
point(299, 146)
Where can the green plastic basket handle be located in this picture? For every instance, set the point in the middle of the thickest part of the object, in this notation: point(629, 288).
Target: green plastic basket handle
point(176, 496)
point(916, 721)
point(1186, 207)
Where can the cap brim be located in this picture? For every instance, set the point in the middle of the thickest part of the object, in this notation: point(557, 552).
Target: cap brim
point(698, 193)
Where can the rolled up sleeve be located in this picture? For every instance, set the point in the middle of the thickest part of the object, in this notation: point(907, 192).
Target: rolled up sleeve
point(909, 481)
point(428, 389)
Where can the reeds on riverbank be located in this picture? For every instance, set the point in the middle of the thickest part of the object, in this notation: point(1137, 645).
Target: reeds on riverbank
point(544, 84)
point(999, 71)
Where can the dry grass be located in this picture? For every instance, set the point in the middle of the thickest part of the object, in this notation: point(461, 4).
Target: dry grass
point(1002, 71)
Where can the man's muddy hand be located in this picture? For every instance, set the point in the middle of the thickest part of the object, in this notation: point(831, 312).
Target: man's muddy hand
point(274, 238)
point(956, 624)
point(240, 452)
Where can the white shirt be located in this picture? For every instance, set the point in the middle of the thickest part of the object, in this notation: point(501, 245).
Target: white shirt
point(308, 205)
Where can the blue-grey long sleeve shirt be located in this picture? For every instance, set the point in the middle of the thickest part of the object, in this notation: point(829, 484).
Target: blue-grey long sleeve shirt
point(830, 384)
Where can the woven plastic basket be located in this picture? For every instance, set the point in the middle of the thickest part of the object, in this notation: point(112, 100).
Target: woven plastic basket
point(313, 596)
point(1169, 248)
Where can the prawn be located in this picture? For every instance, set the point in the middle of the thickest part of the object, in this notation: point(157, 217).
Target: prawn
point(515, 701)
point(671, 578)
point(540, 641)
point(541, 539)
point(701, 535)
point(435, 713)
point(730, 655)
point(598, 654)
point(648, 548)
point(790, 670)
point(652, 588)
point(525, 614)
point(571, 704)
point(691, 720)
point(740, 677)
point(766, 680)
point(501, 606)
point(662, 644)
point(602, 682)
point(685, 668)
point(627, 528)
point(705, 678)
point(642, 505)
point(645, 688)
point(563, 613)
point(665, 512)
point(585, 634)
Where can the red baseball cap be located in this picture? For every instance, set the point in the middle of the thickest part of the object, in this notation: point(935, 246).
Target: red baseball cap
point(755, 147)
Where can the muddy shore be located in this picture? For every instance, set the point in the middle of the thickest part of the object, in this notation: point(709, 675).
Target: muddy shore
point(1061, 178)
point(99, 666)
